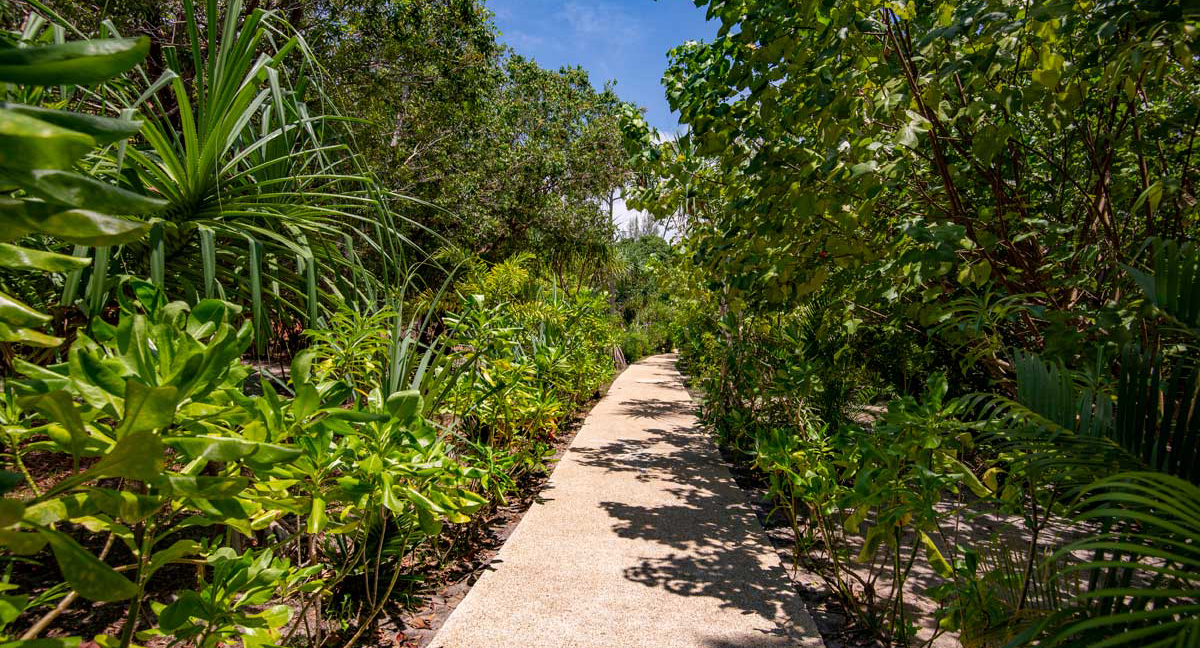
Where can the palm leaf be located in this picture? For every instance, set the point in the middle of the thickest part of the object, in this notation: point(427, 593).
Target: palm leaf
point(1145, 571)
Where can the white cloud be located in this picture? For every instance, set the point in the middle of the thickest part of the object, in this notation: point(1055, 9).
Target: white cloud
point(622, 215)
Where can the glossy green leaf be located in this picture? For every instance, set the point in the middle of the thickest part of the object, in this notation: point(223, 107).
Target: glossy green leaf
point(19, 258)
point(177, 550)
point(206, 487)
point(74, 190)
point(28, 143)
point(226, 449)
point(404, 405)
point(27, 336)
point(138, 455)
point(88, 228)
point(15, 313)
point(147, 408)
point(75, 63)
point(317, 518)
point(85, 573)
point(105, 130)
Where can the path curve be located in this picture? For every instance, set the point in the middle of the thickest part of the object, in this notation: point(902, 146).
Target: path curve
point(642, 539)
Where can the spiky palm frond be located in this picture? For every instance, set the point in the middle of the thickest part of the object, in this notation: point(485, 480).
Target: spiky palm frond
point(267, 202)
point(1144, 567)
point(1174, 285)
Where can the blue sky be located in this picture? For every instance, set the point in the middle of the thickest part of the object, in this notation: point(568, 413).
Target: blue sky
point(625, 40)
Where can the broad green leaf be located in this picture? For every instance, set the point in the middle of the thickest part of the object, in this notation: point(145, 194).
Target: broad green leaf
point(1152, 196)
point(206, 316)
point(206, 487)
point(138, 455)
point(22, 543)
point(85, 573)
point(82, 192)
point(19, 258)
point(972, 482)
point(226, 449)
point(991, 478)
point(429, 522)
point(66, 507)
point(176, 551)
point(126, 506)
point(855, 519)
point(88, 227)
point(302, 366)
point(307, 400)
point(174, 616)
point(76, 63)
point(317, 518)
point(404, 405)
point(11, 511)
point(388, 491)
point(99, 381)
point(105, 130)
point(147, 408)
point(28, 143)
point(1050, 69)
point(15, 313)
point(11, 608)
point(875, 537)
point(936, 560)
point(27, 336)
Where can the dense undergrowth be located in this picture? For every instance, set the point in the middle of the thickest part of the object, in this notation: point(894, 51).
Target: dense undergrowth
point(172, 215)
point(942, 292)
point(937, 281)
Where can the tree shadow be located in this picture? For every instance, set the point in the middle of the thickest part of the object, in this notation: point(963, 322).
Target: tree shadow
point(655, 409)
point(750, 642)
point(710, 529)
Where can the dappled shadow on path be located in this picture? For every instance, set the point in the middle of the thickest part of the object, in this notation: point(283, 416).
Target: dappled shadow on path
point(705, 522)
point(751, 642)
point(653, 408)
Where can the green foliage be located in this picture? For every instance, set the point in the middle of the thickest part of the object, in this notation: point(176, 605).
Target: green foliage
point(39, 150)
point(448, 110)
point(168, 376)
point(875, 193)
point(248, 161)
point(145, 463)
point(223, 609)
point(640, 295)
point(537, 352)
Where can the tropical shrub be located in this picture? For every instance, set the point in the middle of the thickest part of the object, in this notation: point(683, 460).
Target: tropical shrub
point(537, 353)
point(152, 470)
point(156, 403)
point(45, 198)
point(876, 193)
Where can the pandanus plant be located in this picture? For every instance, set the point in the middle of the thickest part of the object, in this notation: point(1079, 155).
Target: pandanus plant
point(263, 201)
point(264, 196)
